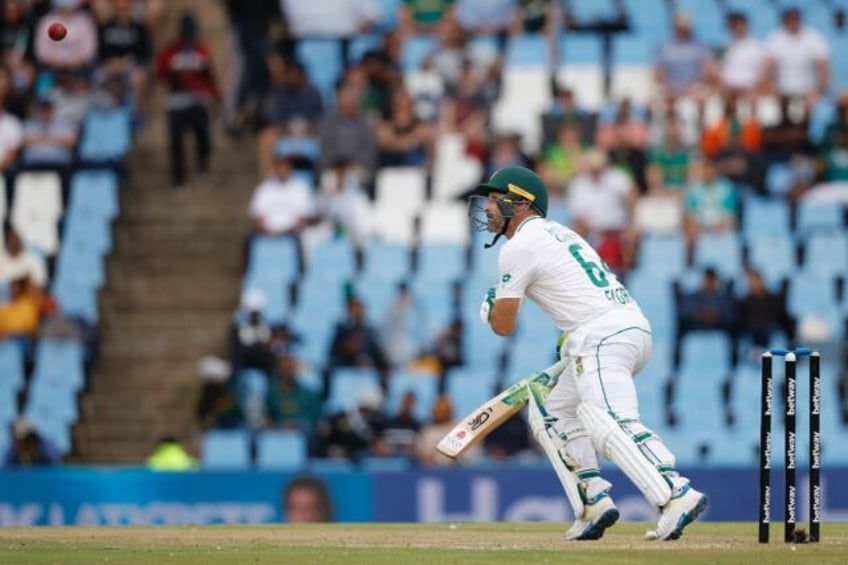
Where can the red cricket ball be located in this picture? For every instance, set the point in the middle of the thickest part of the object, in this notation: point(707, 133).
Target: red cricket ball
point(57, 31)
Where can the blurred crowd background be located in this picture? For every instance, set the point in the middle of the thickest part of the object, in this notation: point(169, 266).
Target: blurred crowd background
point(700, 145)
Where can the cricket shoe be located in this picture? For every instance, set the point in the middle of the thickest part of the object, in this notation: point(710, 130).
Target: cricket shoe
point(678, 513)
point(598, 515)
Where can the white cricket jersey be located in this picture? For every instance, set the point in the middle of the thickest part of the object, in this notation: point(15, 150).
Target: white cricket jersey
point(558, 270)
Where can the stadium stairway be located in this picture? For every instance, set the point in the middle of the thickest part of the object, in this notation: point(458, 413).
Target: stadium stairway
point(173, 282)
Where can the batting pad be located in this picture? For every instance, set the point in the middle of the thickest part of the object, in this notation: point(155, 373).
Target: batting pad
point(616, 445)
point(540, 432)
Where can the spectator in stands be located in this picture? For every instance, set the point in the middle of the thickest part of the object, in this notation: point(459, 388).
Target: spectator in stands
point(788, 136)
point(798, 60)
point(762, 312)
point(448, 346)
point(48, 141)
point(78, 49)
point(289, 404)
point(382, 82)
point(401, 331)
point(401, 430)
point(344, 204)
point(218, 405)
point(292, 101)
point(11, 131)
point(125, 51)
point(684, 67)
point(185, 66)
point(170, 455)
point(29, 449)
point(307, 500)
point(282, 204)
point(403, 140)
point(455, 50)
point(564, 107)
point(465, 110)
point(72, 97)
point(250, 28)
point(356, 343)
point(356, 432)
point(601, 201)
point(711, 203)
point(430, 434)
point(672, 158)
point(743, 61)
point(731, 126)
point(736, 145)
point(16, 36)
point(424, 16)
point(561, 159)
point(331, 19)
point(250, 335)
point(20, 317)
point(347, 135)
point(505, 151)
point(711, 307)
point(508, 440)
point(17, 261)
point(831, 164)
point(625, 141)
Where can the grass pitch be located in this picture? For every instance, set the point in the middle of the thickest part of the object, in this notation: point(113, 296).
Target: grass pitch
point(409, 543)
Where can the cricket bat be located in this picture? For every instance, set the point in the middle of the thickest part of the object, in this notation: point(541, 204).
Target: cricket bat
point(482, 421)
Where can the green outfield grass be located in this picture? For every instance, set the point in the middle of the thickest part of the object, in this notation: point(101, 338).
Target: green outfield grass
point(442, 544)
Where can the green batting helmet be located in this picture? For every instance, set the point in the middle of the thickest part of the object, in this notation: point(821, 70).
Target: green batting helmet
point(519, 182)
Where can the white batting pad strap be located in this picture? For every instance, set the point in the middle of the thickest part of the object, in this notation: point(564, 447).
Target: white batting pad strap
point(568, 480)
point(616, 445)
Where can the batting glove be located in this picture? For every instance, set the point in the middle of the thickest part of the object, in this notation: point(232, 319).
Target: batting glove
point(486, 307)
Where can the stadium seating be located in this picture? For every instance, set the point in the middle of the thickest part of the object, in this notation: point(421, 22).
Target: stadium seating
point(815, 216)
point(422, 384)
point(765, 217)
point(721, 251)
point(226, 450)
point(281, 450)
point(347, 385)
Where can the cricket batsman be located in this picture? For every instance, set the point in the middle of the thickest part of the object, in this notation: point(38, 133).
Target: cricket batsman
point(593, 407)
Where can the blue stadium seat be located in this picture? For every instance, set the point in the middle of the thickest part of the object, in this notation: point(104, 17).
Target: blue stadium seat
point(527, 50)
point(765, 217)
point(389, 260)
point(580, 50)
point(589, 11)
point(361, 44)
point(467, 393)
point(435, 297)
point(813, 295)
point(656, 299)
point(527, 358)
point(8, 405)
point(482, 347)
point(276, 294)
point(441, 261)
point(633, 49)
point(762, 15)
point(252, 389)
point(82, 265)
point(385, 464)
point(58, 402)
point(838, 63)
point(86, 233)
point(76, 299)
point(305, 147)
point(322, 60)
point(773, 256)
point(423, 385)
point(347, 384)
point(814, 216)
point(737, 448)
point(650, 19)
point(378, 294)
point(415, 50)
point(721, 251)
point(226, 450)
point(705, 351)
point(11, 364)
point(823, 114)
point(274, 254)
point(826, 254)
point(664, 256)
point(106, 135)
point(281, 450)
point(59, 352)
point(332, 259)
point(94, 194)
point(779, 178)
